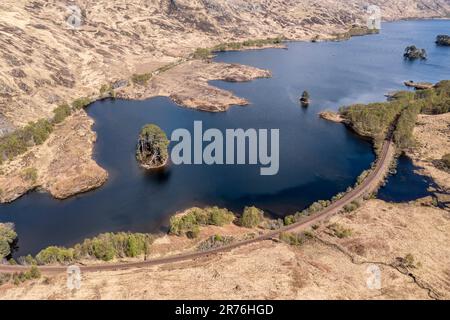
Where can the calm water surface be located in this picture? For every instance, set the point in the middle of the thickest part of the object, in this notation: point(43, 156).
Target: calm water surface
point(406, 185)
point(317, 158)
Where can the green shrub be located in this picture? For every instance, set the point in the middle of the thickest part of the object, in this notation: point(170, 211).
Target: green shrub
point(362, 177)
point(193, 232)
point(55, 254)
point(351, 206)
point(33, 273)
point(372, 120)
point(18, 142)
point(5, 278)
point(219, 217)
point(403, 135)
point(61, 113)
point(7, 238)
point(376, 119)
point(103, 250)
point(106, 90)
point(20, 277)
point(251, 217)
point(313, 208)
point(189, 223)
point(292, 239)
point(30, 174)
point(37, 132)
point(106, 246)
point(81, 103)
point(409, 260)
point(27, 260)
point(141, 79)
point(339, 231)
point(247, 43)
point(288, 220)
point(201, 53)
point(215, 241)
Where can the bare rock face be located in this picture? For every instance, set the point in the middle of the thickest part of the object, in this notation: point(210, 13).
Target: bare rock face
point(331, 116)
point(419, 85)
point(152, 147)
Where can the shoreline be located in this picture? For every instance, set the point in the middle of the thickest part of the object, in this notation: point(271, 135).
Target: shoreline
point(373, 179)
point(92, 119)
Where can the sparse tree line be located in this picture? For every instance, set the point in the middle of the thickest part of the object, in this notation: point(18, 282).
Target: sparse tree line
point(104, 247)
point(37, 132)
point(20, 277)
point(205, 53)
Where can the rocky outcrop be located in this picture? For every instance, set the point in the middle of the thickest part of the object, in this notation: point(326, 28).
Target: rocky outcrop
point(419, 85)
point(332, 116)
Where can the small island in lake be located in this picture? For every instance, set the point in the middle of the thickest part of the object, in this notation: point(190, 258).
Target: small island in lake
point(304, 100)
point(443, 40)
point(413, 53)
point(152, 147)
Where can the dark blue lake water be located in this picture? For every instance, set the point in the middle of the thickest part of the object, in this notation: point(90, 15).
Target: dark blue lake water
point(406, 185)
point(317, 158)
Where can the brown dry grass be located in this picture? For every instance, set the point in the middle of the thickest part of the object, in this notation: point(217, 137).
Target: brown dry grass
point(329, 268)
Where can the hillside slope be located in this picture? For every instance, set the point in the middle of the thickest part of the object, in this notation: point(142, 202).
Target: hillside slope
point(44, 62)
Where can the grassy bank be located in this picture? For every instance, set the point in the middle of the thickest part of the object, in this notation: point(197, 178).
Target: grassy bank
point(355, 31)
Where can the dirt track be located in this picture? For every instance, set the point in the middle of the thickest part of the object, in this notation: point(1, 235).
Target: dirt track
point(366, 187)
